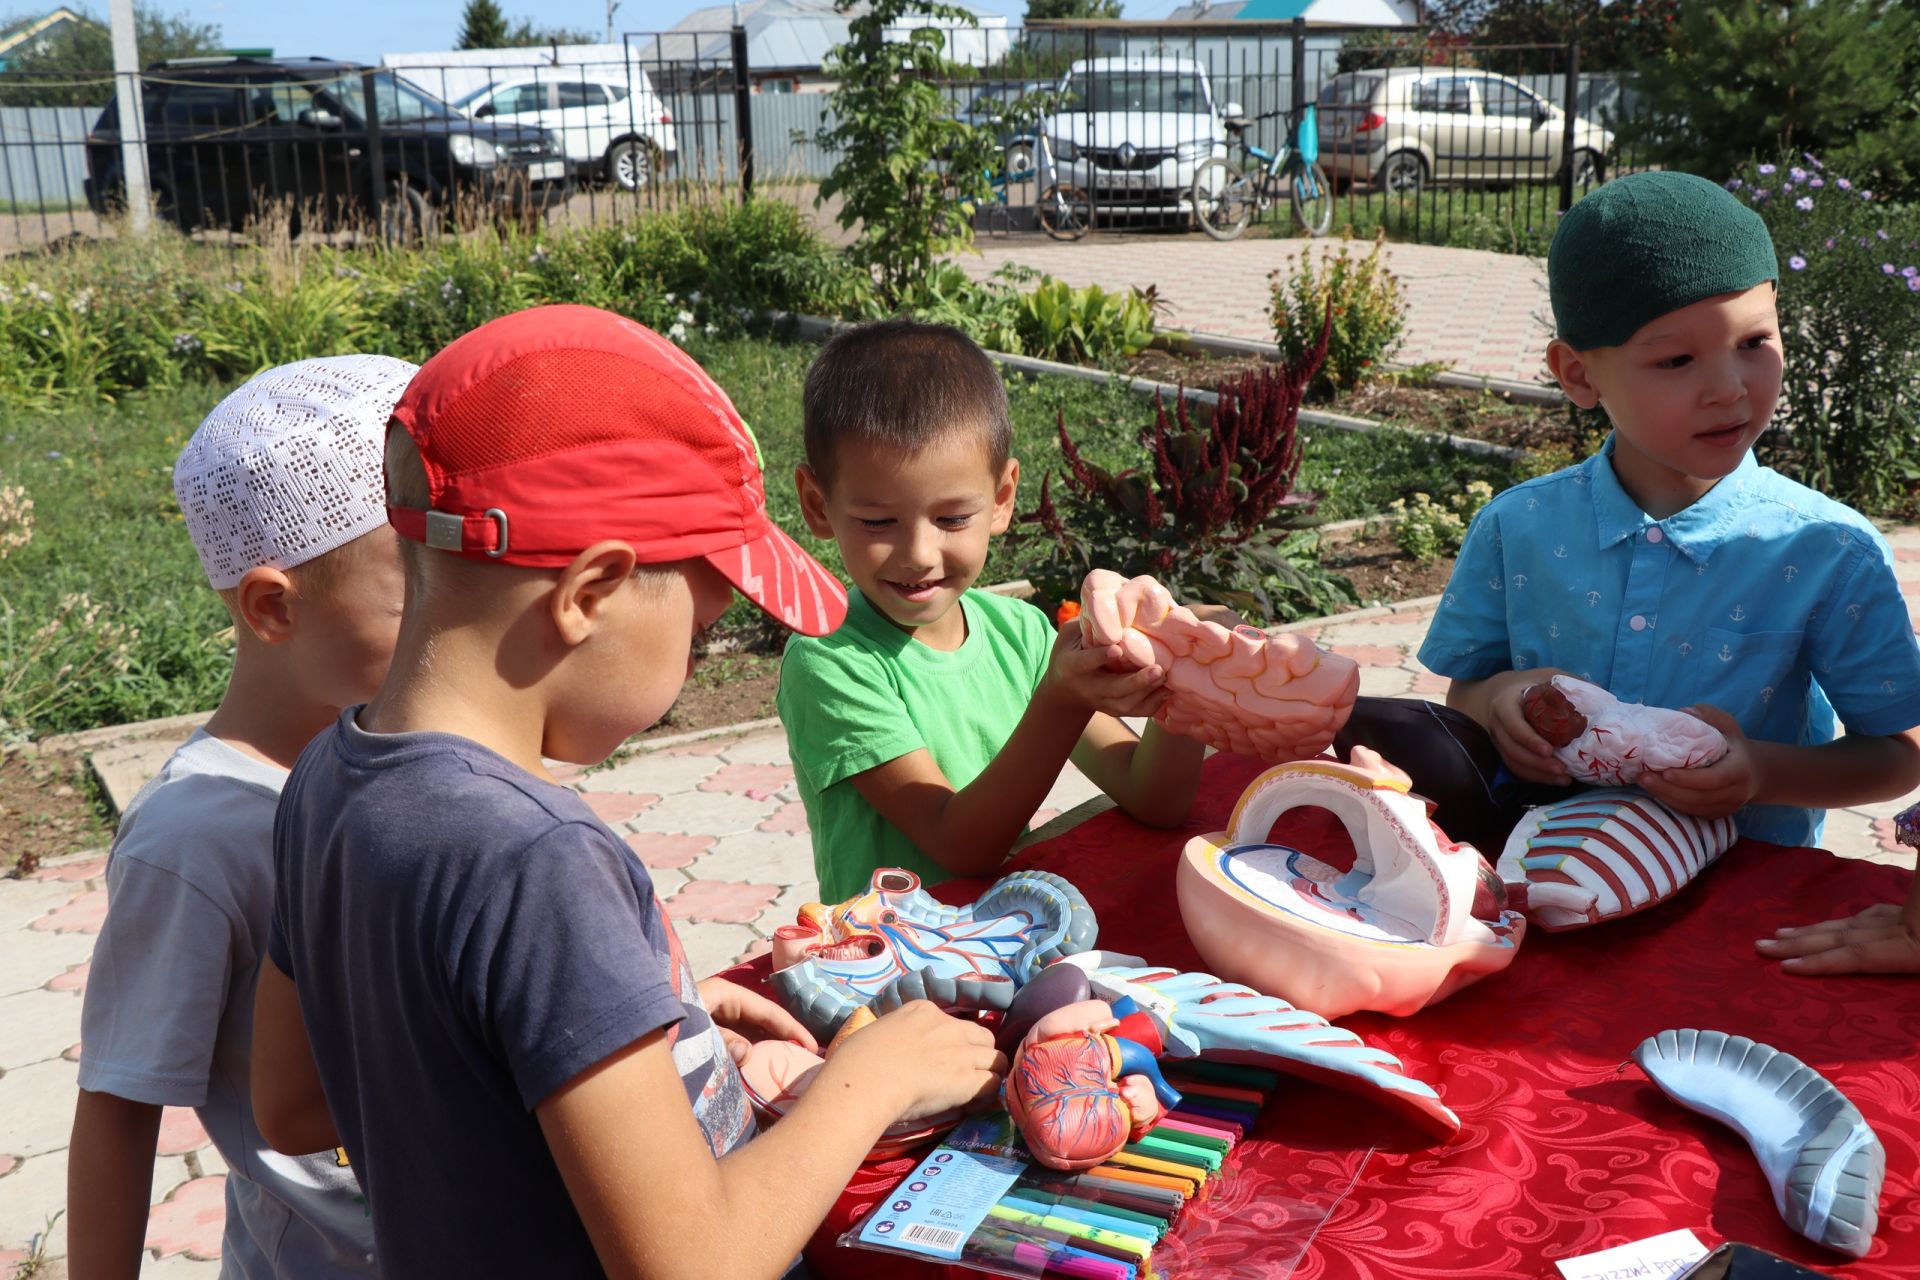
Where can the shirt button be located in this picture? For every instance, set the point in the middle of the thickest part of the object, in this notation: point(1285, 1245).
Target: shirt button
point(1638, 622)
point(1654, 534)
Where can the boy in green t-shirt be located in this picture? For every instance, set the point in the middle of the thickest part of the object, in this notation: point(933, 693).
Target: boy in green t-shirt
point(930, 726)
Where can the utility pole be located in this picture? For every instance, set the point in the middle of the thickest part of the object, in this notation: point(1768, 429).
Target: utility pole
point(611, 6)
point(133, 120)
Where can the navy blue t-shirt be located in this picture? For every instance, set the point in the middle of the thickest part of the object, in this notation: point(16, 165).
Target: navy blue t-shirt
point(467, 938)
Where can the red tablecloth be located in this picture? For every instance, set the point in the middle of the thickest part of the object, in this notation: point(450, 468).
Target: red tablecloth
point(1567, 1147)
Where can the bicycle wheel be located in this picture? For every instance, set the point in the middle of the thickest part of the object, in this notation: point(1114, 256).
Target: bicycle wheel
point(1223, 199)
point(1311, 194)
point(1065, 213)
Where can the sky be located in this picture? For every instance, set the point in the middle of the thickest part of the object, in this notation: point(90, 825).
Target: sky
point(363, 30)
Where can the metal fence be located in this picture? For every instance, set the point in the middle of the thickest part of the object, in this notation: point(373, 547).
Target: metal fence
point(1447, 148)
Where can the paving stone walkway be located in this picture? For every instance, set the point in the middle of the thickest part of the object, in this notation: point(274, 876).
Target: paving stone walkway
point(1481, 313)
point(716, 820)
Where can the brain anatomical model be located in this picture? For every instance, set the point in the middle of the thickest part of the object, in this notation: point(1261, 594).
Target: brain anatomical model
point(1274, 697)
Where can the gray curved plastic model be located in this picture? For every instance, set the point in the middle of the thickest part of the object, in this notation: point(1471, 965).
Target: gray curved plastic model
point(1824, 1163)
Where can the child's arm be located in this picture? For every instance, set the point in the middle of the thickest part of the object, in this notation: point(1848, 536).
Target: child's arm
point(1495, 703)
point(1152, 777)
point(109, 1182)
point(1885, 938)
point(969, 830)
point(289, 1106)
point(656, 1203)
point(1856, 769)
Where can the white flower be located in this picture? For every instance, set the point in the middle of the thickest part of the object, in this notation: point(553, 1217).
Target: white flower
point(678, 333)
point(670, 299)
point(683, 317)
point(711, 329)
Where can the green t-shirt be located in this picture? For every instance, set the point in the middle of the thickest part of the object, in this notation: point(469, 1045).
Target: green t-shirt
point(870, 693)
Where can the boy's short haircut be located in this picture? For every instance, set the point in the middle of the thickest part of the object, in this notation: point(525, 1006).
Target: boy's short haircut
point(899, 385)
point(1646, 245)
point(288, 466)
point(542, 433)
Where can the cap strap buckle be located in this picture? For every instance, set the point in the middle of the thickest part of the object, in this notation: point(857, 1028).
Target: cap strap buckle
point(447, 530)
point(499, 517)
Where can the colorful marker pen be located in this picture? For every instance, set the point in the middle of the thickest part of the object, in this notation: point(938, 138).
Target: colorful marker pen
point(1041, 1261)
point(1076, 1231)
point(1092, 1216)
point(1074, 1197)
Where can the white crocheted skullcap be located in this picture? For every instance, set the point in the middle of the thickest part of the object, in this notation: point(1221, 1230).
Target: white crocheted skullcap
point(290, 465)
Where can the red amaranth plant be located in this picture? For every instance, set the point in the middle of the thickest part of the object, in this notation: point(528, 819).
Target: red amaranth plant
point(1211, 511)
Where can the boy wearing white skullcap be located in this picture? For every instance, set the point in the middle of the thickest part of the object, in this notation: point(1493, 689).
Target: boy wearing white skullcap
point(282, 491)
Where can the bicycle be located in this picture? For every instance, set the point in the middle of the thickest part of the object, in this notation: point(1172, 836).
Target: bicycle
point(1064, 211)
point(1226, 197)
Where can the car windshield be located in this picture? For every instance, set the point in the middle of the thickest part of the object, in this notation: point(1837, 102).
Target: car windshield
point(1171, 91)
point(466, 99)
point(398, 101)
point(1342, 91)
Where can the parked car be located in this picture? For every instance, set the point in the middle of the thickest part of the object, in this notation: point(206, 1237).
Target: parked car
point(609, 130)
point(1405, 127)
point(1133, 131)
point(229, 136)
point(990, 108)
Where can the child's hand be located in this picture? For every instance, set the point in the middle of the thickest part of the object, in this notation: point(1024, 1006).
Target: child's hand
point(1878, 940)
point(1078, 675)
point(1528, 755)
point(931, 1061)
point(744, 1016)
point(1715, 790)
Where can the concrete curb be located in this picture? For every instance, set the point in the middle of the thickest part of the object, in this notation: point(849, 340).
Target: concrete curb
point(1222, 345)
point(818, 329)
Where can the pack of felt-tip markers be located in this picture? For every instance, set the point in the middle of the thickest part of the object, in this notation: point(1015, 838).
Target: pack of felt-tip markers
point(979, 1200)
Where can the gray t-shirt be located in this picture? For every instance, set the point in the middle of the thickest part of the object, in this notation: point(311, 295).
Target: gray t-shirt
point(168, 1018)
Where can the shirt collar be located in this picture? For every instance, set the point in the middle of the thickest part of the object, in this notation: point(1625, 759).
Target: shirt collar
point(1696, 530)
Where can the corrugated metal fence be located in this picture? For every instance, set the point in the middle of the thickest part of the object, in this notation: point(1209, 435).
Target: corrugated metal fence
point(43, 164)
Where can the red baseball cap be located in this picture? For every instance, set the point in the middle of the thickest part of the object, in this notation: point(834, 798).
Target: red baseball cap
point(551, 429)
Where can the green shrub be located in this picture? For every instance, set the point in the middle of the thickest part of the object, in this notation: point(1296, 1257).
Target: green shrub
point(1427, 530)
point(1210, 509)
point(1051, 321)
point(1363, 298)
point(1849, 304)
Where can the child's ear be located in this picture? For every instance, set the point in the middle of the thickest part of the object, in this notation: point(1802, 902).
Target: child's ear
point(1004, 494)
point(265, 602)
point(813, 501)
point(1571, 370)
point(587, 587)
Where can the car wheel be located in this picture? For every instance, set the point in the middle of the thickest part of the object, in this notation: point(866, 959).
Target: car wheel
point(1404, 173)
point(1019, 161)
point(1588, 170)
point(632, 164)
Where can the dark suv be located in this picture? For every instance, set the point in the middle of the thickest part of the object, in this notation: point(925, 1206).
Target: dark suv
point(228, 136)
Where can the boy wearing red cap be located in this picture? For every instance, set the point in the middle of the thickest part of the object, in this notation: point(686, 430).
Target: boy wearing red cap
point(471, 974)
point(927, 730)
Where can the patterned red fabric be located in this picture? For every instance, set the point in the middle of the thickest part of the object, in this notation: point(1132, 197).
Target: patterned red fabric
point(1567, 1147)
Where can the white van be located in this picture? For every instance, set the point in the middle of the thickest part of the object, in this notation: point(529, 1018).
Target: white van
point(1133, 131)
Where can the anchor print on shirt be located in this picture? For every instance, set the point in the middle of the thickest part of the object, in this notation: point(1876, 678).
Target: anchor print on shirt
point(1519, 582)
point(1560, 552)
point(1593, 598)
point(1791, 572)
point(1738, 613)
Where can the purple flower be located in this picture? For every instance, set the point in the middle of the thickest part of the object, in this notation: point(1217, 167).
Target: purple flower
point(1785, 187)
point(1882, 233)
point(1809, 158)
point(1766, 169)
point(1797, 262)
point(1843, 184)
point(1761, 193)
point(1734, 184)
point(1865, 194)
point(1910, 272)
point(1913, 284)
point(1804, 204)
point(1889, 269)
point(1797, 174)
point(1816, 182)
point(1829, 242)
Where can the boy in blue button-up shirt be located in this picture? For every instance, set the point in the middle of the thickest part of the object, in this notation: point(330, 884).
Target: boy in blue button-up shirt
point(1670, 567)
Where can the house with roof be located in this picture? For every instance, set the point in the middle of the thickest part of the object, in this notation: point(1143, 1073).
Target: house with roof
point(788, 41)
point(35, 34)
point(1369, 13)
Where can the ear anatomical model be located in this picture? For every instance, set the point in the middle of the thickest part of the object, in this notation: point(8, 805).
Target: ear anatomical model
point(1274, 697)
point(1602, 739)
point(1824, 1163)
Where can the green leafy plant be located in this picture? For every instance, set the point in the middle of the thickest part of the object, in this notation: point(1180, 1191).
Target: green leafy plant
point(909, 174)
point(1351, 308)
point(1427, 530)
point(1849, 303)
point(1059, 322)
point(1211, 510)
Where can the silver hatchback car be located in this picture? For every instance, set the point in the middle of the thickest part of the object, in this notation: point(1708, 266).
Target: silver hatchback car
point(1404, 127)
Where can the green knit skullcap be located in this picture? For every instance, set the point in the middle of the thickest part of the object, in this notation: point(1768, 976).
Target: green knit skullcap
point(1647, 244)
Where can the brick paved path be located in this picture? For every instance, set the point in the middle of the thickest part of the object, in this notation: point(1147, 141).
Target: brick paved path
point(716, 820)
point(1481, 313)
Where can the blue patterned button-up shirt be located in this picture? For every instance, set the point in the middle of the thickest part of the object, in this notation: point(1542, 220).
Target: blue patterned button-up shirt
point(1764, 598)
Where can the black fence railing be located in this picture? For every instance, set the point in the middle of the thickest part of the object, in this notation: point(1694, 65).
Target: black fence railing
point(1127, 115)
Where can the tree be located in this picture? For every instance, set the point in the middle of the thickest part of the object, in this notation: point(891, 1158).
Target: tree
point(909, 174)
point(75, 66)
point(1056, 10)
point(1752, 77)
point(1612, 33)
point(482, 26)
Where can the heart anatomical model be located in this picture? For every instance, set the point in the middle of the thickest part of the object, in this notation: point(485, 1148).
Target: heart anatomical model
point(1083, 1083)
point(1274, 697)
point(896, 943)
point(1406, 919)
point(1602, 739)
